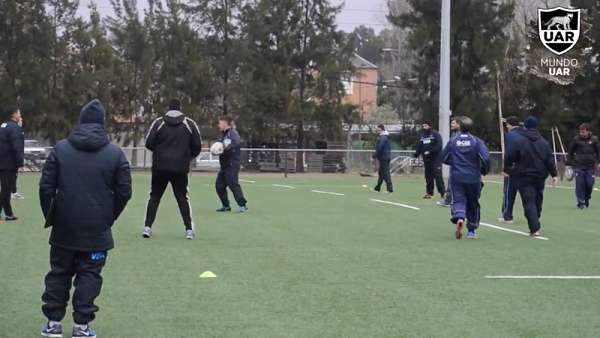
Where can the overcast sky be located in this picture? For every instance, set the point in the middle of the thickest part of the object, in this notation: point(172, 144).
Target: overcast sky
point(356, 12)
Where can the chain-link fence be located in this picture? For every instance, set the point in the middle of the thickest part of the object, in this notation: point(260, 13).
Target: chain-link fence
point(288, 161)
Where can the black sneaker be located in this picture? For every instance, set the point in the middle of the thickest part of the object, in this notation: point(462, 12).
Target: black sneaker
point(11, 218)
point(55, 331)
point(224, 209)
point(84, 333)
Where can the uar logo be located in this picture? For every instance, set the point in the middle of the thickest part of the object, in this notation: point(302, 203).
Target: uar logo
point(559, 28)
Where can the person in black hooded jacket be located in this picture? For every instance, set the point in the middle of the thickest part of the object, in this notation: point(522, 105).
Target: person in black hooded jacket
point(174, 141)
point(85, 185)
point(532, 161)
point(584, 156)
point(11, 158)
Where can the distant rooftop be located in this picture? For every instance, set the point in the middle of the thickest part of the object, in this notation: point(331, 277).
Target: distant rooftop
point(360, 62)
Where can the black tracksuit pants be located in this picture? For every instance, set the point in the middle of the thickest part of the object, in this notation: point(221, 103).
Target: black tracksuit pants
point(434, 177)
point(8, 180)
point(73, 268)
point(384, 176)
point(179, 183)
point(230, 177)
point(509, 197)
point(532, 197)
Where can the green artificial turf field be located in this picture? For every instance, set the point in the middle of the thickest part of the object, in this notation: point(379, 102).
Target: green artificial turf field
point(304, 264)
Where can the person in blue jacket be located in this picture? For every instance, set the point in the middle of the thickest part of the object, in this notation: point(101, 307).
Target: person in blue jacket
point(85, 185)
point(509, 191)
point(383, 155)
point(469, 159)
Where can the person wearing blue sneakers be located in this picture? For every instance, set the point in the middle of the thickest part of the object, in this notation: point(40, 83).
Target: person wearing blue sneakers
point(231, 163)
point(468, 158)
point(85, 185)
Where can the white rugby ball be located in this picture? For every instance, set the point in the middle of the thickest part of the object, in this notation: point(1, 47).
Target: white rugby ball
point(217, 148)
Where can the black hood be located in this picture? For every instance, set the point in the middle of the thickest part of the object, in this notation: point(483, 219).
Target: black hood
point(174, 117)
point(89, 137)
point(532, 134)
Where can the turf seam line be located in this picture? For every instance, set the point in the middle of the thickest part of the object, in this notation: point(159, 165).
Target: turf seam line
point(543, 277)
point(395, 204)
point(512, 231)
point(327, 193)
point(284, 186)
point(247, 181)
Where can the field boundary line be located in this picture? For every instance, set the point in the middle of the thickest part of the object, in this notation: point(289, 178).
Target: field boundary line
point(395, 204)
point(247, 181)
point(328, 193)
point(544, 277)
point(512, 231)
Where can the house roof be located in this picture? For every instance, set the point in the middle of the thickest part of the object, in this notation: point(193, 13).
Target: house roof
point(360, 62)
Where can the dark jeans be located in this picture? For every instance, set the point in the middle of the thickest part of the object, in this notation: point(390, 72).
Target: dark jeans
point(585, 178)
point(434, 177)
point(384, 176)
point(86, 268)
point(508, 201)
point(465, 203)
point(532, 196)
point(230, 177)
point(179, 183)
point(7, 184)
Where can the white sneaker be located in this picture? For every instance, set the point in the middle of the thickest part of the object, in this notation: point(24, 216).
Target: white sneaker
point(147, 232)
point(502, 220)
point(189, 234)
point(17, 196)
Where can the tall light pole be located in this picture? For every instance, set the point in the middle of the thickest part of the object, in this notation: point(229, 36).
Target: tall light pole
point(445, 74)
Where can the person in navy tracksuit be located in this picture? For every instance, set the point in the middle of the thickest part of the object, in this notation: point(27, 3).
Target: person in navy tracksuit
point(383, 155)
point(447, 201)
point(584, 157)
point(231, 163)
point(531, 160)
point(430, 148)
point(510, 190)
point(469, 159)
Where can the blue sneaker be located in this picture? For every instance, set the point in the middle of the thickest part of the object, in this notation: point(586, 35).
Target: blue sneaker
point(79, 332)
point(471, 234)
point(55, 331)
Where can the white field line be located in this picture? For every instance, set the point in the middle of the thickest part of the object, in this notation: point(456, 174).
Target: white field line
point(247, 181)
point(543, 277)
point(284, 186)
point(512, 231)
point(327, 193)
point(396, 204)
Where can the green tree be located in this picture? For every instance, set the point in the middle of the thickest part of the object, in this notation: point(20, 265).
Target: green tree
point(479, 39)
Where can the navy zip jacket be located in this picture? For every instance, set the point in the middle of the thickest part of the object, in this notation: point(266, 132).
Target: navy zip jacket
point(468, 158)
point(584, 153)
point(12, 146)
point(529, 156)
point(383, 148)
point(89, 180)
point(232, 154)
